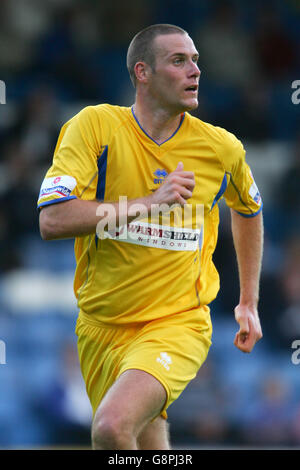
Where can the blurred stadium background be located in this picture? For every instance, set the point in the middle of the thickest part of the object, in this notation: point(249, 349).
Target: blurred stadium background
point(57, 56)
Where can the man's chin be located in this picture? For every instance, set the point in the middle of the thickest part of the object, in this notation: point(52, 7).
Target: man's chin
point(190, 105)
point(185, 105)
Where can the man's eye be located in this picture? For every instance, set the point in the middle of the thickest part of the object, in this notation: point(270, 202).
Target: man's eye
point(178, 61)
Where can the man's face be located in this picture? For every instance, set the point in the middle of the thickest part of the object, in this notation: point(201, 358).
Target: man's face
point(174, 82)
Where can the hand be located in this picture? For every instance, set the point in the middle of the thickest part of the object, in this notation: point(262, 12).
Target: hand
point(177, 188)
point(250, 328)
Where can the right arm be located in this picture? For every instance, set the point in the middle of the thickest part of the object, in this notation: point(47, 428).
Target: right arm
point(76, 217)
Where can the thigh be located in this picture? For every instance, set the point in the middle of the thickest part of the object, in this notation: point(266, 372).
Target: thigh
point(133, 401)
point(172, 350)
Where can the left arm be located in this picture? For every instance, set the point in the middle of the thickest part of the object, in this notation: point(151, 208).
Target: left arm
point(248, 242)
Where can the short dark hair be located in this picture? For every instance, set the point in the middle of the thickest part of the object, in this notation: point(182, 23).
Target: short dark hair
point(141, 46)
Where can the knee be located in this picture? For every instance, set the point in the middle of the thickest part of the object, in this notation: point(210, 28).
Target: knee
point(110, 432)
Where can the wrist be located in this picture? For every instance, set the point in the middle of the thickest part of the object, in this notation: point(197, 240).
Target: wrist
point(147, 202)
point(248, 307)
point(249, 300)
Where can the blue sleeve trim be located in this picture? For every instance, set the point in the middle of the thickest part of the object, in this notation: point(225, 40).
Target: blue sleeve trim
point(54, 201)
point(102, 167)
point(221, 191)
point(251, 215)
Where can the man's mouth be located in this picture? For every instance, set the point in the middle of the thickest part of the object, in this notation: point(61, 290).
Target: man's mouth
point(192, 89)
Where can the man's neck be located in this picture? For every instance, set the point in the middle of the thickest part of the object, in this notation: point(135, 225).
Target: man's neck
point(157, 123)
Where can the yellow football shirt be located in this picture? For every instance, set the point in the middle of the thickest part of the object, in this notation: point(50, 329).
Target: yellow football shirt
point(147, 270)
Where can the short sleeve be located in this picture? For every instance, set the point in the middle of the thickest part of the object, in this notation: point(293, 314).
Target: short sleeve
point(241, 194)
point(75, 160)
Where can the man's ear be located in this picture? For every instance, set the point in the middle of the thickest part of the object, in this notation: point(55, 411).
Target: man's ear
point(141, 70)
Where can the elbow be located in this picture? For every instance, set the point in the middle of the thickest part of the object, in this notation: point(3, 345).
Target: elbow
point(47, 227)
point(45, 234)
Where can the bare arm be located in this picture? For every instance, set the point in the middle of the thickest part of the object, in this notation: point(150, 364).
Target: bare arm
point(248, 242)
point(75, 218)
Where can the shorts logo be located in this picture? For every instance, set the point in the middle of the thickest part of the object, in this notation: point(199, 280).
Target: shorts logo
point(165, 360)
point(160, 176)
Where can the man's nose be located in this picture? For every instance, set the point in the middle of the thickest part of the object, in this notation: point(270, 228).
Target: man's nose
point(194, 70)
